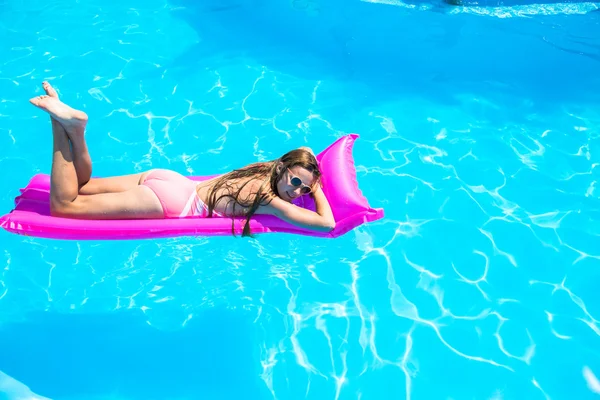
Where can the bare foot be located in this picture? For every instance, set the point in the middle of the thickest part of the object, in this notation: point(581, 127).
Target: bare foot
point(74, 121)
point(50, 91)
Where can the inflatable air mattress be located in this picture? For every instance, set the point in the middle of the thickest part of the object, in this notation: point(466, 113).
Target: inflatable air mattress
point(31, 215)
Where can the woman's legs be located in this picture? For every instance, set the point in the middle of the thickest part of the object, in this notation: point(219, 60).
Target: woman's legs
point(113, 184)
point(65, 201)
point(81, 155)
point(83, 161)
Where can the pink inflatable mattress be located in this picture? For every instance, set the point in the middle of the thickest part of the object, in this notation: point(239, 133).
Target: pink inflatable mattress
point(31, 215)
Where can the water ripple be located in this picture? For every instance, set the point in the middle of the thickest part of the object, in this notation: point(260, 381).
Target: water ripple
point(486, 261)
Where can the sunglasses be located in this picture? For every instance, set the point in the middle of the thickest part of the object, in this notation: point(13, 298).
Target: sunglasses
point(297, 182)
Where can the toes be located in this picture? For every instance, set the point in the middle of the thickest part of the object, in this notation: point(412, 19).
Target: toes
point(49, 89)
point(38, 99)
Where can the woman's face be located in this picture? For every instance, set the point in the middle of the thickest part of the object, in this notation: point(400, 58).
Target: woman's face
point(295, 182)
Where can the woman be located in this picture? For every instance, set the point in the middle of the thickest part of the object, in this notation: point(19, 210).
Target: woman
point(261, 188)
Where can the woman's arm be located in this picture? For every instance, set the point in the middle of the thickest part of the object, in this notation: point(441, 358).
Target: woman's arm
point(322, 220)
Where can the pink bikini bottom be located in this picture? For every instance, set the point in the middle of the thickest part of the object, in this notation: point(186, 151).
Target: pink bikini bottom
point(177, 194)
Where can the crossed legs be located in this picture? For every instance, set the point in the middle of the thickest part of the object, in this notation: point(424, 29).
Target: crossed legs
point(73, 193)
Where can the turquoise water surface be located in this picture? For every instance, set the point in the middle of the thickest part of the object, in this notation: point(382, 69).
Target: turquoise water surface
point(479, 136)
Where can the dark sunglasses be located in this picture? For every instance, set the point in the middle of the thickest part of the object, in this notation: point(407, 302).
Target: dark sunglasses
point(297, 182)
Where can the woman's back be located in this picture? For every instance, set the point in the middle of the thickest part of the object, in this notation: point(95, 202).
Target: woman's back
point(235, 193)
point(233, 196)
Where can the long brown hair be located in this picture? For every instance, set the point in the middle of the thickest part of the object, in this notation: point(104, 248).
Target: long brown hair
point(269, 172)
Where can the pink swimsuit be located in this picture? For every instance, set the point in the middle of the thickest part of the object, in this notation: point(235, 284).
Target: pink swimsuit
point(177, 194)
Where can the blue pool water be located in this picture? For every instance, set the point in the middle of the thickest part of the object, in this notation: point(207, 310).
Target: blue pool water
point(479, 136)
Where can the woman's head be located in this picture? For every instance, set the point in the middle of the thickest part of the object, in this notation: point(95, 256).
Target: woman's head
point(294, 174)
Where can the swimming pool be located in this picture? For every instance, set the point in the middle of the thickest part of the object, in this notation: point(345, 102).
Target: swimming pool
point(479, 134)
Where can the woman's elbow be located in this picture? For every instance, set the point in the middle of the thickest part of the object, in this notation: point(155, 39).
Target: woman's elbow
point(328, 226)
point(323, 228)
